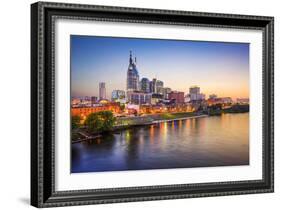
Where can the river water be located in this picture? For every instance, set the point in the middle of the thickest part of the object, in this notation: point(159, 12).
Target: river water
point(198, 142)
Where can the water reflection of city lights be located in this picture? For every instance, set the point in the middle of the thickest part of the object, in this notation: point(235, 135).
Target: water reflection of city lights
point(151, 133)
point(187, 123)
point(180, 123)
point(193, 122)
point(128, 135)
point(163, 129)
point(141, 139)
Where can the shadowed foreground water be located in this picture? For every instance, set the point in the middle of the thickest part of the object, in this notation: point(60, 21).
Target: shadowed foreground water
point(199, 142)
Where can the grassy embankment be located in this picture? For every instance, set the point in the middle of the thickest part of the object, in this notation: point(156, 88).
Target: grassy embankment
point(127, 122)
point(150, 119)
point(84, 133)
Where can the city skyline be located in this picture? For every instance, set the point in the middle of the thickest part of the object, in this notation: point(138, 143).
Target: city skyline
point(218, 68)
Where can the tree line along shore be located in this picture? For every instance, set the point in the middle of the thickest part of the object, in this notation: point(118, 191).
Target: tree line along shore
point(102, 122)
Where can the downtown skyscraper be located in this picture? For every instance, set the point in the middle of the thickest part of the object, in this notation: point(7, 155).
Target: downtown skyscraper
point(132, 75)
point(102, 91)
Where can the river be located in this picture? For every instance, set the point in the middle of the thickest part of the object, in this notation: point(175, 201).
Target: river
point(197, 142)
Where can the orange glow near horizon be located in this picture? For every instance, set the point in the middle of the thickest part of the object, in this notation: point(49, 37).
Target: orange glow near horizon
point(222, 85)
point(219, 68)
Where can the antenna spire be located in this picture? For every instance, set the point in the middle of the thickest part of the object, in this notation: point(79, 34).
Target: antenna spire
point(131, 60)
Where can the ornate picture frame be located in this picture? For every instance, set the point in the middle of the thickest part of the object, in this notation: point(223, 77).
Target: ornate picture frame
point(43, 104)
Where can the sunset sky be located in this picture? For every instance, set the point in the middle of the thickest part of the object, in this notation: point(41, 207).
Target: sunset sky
point(217, 67)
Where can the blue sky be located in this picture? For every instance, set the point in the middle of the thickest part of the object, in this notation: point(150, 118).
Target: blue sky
point(217, 67)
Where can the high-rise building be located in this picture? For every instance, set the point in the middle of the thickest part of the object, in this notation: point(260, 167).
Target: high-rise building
point(139, 97)
point(166, 92)
point(145, 85)
point(194, 94)
point(194, 90)
point(102, 91)
point(152, 85)
point(132, 75)
point(118, 96)
point(159, 87)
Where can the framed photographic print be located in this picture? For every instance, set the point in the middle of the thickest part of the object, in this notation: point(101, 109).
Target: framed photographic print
point(132, 104)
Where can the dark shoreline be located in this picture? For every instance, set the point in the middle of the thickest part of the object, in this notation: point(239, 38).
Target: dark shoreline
point(115, 129)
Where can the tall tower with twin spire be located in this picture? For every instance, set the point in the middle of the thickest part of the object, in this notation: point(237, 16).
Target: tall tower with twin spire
point(132, 75)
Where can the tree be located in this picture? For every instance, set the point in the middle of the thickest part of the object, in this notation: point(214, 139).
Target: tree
point(75, 122)
point(100, 121)
point(108, 120)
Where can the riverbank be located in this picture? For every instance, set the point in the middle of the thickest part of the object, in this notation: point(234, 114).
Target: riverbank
point(137, 121)
point(156, 118)
point(181, 118)
point(128, 122)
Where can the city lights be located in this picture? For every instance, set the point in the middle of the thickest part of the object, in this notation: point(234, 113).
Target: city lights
point(147, 97)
